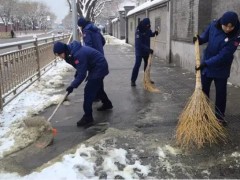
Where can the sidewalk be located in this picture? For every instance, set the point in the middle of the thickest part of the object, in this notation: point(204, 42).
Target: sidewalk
point(142, 123)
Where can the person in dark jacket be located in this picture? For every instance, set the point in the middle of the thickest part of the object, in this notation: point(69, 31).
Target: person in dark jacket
point(222, 38)
point(142, 47)
point(86, 60)
point(92, 36)
point(12, 33)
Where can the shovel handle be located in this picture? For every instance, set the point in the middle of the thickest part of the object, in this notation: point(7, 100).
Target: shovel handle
point(65, 96)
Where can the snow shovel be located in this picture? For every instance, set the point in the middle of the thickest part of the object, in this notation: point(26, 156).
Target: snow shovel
point(49, 132)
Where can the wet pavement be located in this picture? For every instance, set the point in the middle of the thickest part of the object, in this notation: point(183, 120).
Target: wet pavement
point(143, 123)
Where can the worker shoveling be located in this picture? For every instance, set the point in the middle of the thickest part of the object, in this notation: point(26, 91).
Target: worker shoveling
point(198, 124)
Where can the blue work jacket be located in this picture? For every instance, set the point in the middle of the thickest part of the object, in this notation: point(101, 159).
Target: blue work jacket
point(87, 60)
point(218, 54)
point(142, 42)
point(93, 38)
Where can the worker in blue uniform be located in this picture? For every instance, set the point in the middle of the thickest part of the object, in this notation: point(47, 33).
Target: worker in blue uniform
point(222, 38)
point(90, 65)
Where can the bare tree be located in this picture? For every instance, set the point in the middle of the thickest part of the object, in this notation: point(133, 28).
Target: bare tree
point(112, 8)
point(67, 21)
point(25, 14)
point(6, 10)
point(89, 9)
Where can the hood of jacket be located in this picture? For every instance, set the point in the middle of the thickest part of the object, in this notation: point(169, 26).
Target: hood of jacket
point(74, 47)
point(144, 25)
point(82, 22)
point(91, 27)
point(229, 17)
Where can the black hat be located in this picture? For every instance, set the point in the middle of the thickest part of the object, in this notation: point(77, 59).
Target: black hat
point(59, 48)
point(229, 17)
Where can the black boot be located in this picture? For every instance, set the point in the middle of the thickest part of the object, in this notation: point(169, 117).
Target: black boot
point(133, 83)
point(85, 121)
point(223, 122)
point(96, 100)
point(105, 107)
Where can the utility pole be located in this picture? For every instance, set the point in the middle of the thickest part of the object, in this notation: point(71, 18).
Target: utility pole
point(74, 19)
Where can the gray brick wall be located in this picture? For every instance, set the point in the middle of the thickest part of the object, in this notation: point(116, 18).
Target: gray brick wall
point(192, 16)
point(184, 19)
point(214, 9)
point(221, 6)
point(204, 15)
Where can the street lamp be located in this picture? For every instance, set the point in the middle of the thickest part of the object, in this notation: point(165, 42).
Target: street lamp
point(74, 19)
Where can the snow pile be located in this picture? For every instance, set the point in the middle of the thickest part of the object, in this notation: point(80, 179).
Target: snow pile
point(115, 41)
point(145, 5)
point(89, 163)
point(14, 134)
point(21, 136)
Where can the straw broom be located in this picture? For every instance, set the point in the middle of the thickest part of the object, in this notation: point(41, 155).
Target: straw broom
point(146, 79)
point(198, 124)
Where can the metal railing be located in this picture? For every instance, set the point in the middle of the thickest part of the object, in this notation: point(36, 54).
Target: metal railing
point(23, 63)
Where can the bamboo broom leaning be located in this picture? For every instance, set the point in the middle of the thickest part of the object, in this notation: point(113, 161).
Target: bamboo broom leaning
point(198, 125)
point(146, 79)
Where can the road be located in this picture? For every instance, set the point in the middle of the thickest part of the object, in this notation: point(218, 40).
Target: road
point(24, 38)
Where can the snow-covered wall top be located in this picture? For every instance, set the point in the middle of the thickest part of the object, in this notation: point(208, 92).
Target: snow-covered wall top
point(115, 20)
point(145, 5)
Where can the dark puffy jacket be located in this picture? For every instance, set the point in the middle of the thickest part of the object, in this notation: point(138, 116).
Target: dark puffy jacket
point(93, 38)
point(218, 54)
point(87, 60)
point(142, 38)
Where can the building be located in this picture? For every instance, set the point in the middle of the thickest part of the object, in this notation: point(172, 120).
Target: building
point(177, 22)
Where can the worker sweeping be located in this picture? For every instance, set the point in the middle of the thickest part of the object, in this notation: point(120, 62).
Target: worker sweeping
point(142, 47)
point(92, 36)
point(86, 60)
point(222, 38)
point(198, 124)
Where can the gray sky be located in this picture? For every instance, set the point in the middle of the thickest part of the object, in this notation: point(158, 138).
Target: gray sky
point(58, 7)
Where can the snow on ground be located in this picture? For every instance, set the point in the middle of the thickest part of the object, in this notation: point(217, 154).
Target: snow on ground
point(39, 96)
point(82, 165)
point(88, 162)
point(115, 41)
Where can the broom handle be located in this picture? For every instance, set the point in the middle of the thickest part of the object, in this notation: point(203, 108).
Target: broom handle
point(151, 56)
point(65, 96)
point(198, 73)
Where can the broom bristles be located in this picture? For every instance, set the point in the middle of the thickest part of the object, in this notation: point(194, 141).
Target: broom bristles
point(147, 80)
point(198, 124)
point(149, 86)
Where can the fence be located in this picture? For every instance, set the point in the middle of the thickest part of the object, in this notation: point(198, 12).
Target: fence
point(23, 63)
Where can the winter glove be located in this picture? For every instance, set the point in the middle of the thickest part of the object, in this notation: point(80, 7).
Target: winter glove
point(195, 38)
point(69, 89)
point(151, 51)
point(201, 67)
point(156, 33)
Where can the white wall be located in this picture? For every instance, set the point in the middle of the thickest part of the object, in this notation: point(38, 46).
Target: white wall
point(235, 71)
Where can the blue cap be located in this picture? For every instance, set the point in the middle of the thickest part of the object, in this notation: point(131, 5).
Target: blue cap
point(229, 17)
point(59, 48)
point(82, 22)
point(146, 21)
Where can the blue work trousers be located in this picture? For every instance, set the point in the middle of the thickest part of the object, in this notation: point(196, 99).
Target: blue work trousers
point(137, 65)
point(221, 93)
point(94, 88)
